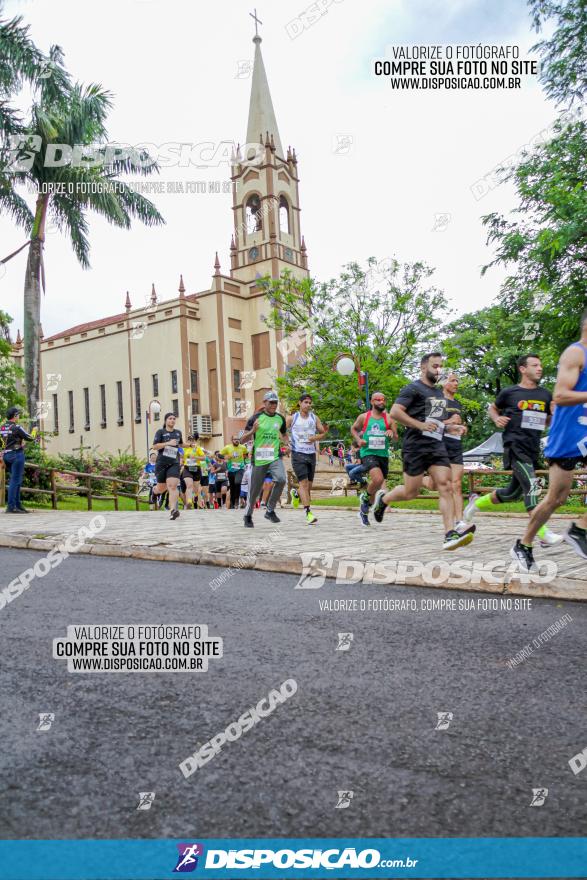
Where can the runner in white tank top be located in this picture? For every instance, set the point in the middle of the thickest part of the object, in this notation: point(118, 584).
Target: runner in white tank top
point(306, 428)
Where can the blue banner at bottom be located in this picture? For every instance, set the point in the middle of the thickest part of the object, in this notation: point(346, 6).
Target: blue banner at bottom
point(483, 857)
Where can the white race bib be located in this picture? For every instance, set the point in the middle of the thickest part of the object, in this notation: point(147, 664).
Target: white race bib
point(376, 441)
point(191, 462)
point(438, 433)
point(170, 452)
point(265, 453)
point(533, 421)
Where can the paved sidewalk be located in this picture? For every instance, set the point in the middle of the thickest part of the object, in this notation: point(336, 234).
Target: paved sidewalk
point(219, 538)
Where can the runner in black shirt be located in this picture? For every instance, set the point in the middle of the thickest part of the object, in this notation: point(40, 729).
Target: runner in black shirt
point(167, 442)
point(523, 411)
point(421, 407)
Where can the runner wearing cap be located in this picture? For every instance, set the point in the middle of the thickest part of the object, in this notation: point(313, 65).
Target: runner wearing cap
point(266, 427)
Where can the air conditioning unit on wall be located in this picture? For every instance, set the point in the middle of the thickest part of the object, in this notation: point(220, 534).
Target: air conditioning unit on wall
point(202, 425)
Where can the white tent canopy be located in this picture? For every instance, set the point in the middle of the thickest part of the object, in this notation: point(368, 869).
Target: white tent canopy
point(492, 446)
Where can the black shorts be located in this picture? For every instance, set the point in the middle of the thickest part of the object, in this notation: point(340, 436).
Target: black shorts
point(195, 474)
point(304, 465)
point(417, 459)
point(514, 453)
point(204, 480)
point(454, 451)
point(568, 464)
point(375, 461)
point(165, 468)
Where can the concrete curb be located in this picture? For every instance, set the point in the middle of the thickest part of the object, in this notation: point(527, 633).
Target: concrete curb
point(562, 588)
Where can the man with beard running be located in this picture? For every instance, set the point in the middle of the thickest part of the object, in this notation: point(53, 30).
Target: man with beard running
point(422, 408)
point(523, 411)
point(372, 432)
point(566, 448)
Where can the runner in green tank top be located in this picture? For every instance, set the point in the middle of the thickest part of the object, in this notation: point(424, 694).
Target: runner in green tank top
point(268, 429)
point(372, 433)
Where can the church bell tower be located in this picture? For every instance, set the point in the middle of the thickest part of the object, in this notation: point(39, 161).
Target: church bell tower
point(267, 235)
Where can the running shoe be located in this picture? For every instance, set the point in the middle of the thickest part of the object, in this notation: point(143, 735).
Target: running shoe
point(454, 539)
point(310, 518)
point(248, 521)
point(548, 538)
point(379, 505)
point(364, 510)
point(295, 498)
point(577, 538)
point(471, 509)
point(174, 513)
point(461, 526)
point(272, 516)
point(524, 556)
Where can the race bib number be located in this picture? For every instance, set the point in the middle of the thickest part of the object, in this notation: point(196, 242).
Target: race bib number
point(191, 462)
point(533, 421)
point(170, 452)
point(376, 442)
point(265, 453)
point(438, 433)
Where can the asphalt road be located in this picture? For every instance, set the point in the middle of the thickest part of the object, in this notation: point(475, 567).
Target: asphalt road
point(362, 720)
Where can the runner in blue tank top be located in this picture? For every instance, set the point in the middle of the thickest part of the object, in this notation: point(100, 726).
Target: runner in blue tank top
point(566, 447)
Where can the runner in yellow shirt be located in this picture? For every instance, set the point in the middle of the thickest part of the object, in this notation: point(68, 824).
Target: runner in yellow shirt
point(193, 456)
point(236, 455)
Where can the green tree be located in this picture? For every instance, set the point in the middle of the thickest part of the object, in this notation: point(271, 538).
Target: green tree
point(384, 315)
point(483, 348)
point(10, 374)
point(21, 62)
point(545, 240)
point(564, 53)
point(67, 190)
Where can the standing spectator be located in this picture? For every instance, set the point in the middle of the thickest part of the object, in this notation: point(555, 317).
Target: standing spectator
point(14, 437)
point(330, 456)
point(150, 478)
point(340, 453)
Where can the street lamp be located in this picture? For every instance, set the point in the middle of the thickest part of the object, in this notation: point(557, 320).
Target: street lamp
point(346, 364)
point(155, 408)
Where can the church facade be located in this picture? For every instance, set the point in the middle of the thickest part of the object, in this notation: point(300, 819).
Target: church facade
point(207, 356)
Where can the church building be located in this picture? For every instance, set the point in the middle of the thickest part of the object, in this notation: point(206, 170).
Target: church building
point(207, 356)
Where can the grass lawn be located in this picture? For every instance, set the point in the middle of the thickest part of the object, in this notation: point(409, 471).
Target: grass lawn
point(432, 504)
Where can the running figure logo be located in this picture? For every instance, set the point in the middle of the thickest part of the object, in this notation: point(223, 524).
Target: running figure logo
point(187, 860)
point(444, 719)
point(344, 799)
point(344, 641)
point(314, 568)
point(146, 799)
point(539, 795)
point(46, 719)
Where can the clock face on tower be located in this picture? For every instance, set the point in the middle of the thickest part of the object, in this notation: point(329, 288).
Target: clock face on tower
point(253, 253)
point(288, 254)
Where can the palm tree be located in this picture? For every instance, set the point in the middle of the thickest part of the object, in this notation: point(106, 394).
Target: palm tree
point(21, 62)
point(65, 194)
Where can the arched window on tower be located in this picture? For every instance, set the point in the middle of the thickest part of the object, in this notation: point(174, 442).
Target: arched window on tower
point(283, 214)
point(253, 214)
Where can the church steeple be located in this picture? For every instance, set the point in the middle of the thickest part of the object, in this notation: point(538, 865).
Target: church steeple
point(261, 113)
point(267, 235)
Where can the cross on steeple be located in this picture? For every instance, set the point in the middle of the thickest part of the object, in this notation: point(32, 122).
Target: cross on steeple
point(257, 21)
